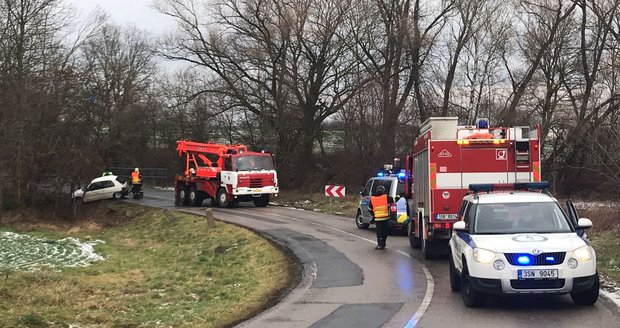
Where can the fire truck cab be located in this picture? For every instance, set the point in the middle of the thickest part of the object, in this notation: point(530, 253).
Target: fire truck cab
point(447, 158)
point(225, 174)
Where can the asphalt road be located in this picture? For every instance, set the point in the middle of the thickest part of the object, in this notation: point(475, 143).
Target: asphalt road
point(346, 283)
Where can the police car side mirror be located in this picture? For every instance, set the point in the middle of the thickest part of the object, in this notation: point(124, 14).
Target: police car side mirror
point(584, 223)
point(459, 226)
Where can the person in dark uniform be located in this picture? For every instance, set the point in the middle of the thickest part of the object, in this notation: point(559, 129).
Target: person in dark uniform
point(379, 209)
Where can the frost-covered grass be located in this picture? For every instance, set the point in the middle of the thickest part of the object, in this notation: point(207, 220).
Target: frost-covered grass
point(607, 247)
point(605, 238)
point(157, 272)
point(23, 252)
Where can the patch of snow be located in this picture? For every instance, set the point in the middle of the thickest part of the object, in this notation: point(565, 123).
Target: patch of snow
point(596, 204)
point(164, 188)
point(28, 253)
point(610, 290)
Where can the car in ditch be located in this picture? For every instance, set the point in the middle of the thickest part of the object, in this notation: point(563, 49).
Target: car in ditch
point(105, 187)
point(516, 239)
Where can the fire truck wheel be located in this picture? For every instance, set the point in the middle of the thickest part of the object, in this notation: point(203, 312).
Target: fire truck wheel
point(414, 241)
point(195, 198)
point(261, 201)
point(427, 247)
point(223, 199)
point(359, 221)
point(184, 196)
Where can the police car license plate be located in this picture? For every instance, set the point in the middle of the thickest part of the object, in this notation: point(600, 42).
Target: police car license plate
point(537, 274)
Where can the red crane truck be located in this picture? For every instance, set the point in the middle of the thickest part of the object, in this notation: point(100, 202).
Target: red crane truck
point(225, 174)
point(447, 158)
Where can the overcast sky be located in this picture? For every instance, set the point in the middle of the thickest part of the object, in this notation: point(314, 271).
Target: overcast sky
point(123, 12)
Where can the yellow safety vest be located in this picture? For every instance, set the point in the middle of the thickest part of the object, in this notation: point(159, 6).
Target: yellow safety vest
point(380, 207)
point(135, 177)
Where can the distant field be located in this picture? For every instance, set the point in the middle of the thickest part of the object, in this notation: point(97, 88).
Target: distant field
point(156, 272)
point(346, 206)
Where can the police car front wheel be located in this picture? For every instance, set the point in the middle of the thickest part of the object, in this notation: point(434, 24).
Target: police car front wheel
point(359, 221)
point(471, 297)
point(588, 296)
point(455, 279)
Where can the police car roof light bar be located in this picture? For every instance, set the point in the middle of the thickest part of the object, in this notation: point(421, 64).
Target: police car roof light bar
point(481, 187)
point(488, 187)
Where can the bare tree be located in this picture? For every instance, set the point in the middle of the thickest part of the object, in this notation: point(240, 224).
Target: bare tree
point(541, 22)
point(119, 70)
point(395, 40)
point(287, 62)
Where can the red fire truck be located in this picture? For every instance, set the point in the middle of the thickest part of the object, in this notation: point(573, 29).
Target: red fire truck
point(224, 174)
point(447, 158)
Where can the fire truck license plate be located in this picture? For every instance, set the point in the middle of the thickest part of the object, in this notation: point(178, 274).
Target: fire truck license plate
point(446, 216)
point(257, 190)
point(537, 274)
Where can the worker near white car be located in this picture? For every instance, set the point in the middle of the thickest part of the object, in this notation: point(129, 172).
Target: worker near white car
point(136, 180)
point(378, 207)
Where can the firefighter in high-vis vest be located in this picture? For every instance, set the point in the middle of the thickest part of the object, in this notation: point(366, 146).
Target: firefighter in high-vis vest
point(379, 208)
point(136, 181)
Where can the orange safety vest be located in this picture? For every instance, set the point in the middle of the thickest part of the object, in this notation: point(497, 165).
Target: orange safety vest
point(135, 177)
point(380, 207)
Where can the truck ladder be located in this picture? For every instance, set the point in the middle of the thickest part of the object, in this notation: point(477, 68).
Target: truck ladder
point(522, 152)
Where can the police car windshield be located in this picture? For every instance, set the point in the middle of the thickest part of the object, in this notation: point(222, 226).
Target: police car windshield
point(510, 218)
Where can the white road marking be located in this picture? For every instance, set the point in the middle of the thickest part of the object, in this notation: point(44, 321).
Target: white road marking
point(430, 284)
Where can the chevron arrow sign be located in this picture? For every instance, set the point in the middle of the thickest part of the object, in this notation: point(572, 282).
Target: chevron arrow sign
point(334, 191)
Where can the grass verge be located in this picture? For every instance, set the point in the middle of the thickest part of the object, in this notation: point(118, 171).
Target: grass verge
point(158, 272)
point(346, 206)
point(605, 238)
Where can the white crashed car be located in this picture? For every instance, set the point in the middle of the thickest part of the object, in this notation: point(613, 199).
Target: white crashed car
point(106, 187)
point(520, 242)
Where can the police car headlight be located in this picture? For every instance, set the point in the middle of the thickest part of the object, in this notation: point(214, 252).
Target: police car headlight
point(484, 256)
point(583, 254)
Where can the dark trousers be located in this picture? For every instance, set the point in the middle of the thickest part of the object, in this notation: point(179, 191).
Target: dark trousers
point(382, 231)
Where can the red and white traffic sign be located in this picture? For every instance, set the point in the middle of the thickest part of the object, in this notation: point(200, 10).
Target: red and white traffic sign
point(334, 191)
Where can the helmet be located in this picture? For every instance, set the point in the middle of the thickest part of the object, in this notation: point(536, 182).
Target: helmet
point(380, 190)
point(136, 170)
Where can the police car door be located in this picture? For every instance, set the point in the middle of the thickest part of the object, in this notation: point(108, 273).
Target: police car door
point(574, 218)
point(462, 239)
point(366, 200)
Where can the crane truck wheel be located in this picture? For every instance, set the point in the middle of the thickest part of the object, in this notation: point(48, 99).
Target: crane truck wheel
point(261, 201)
point(195, 198)
point(223, 199)
point(184, 196)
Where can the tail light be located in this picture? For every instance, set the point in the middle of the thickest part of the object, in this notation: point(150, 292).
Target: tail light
point(393, 208)
point(444, 225)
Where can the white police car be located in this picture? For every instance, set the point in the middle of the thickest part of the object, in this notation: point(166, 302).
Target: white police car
point(520, 242)
point(395, 189)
